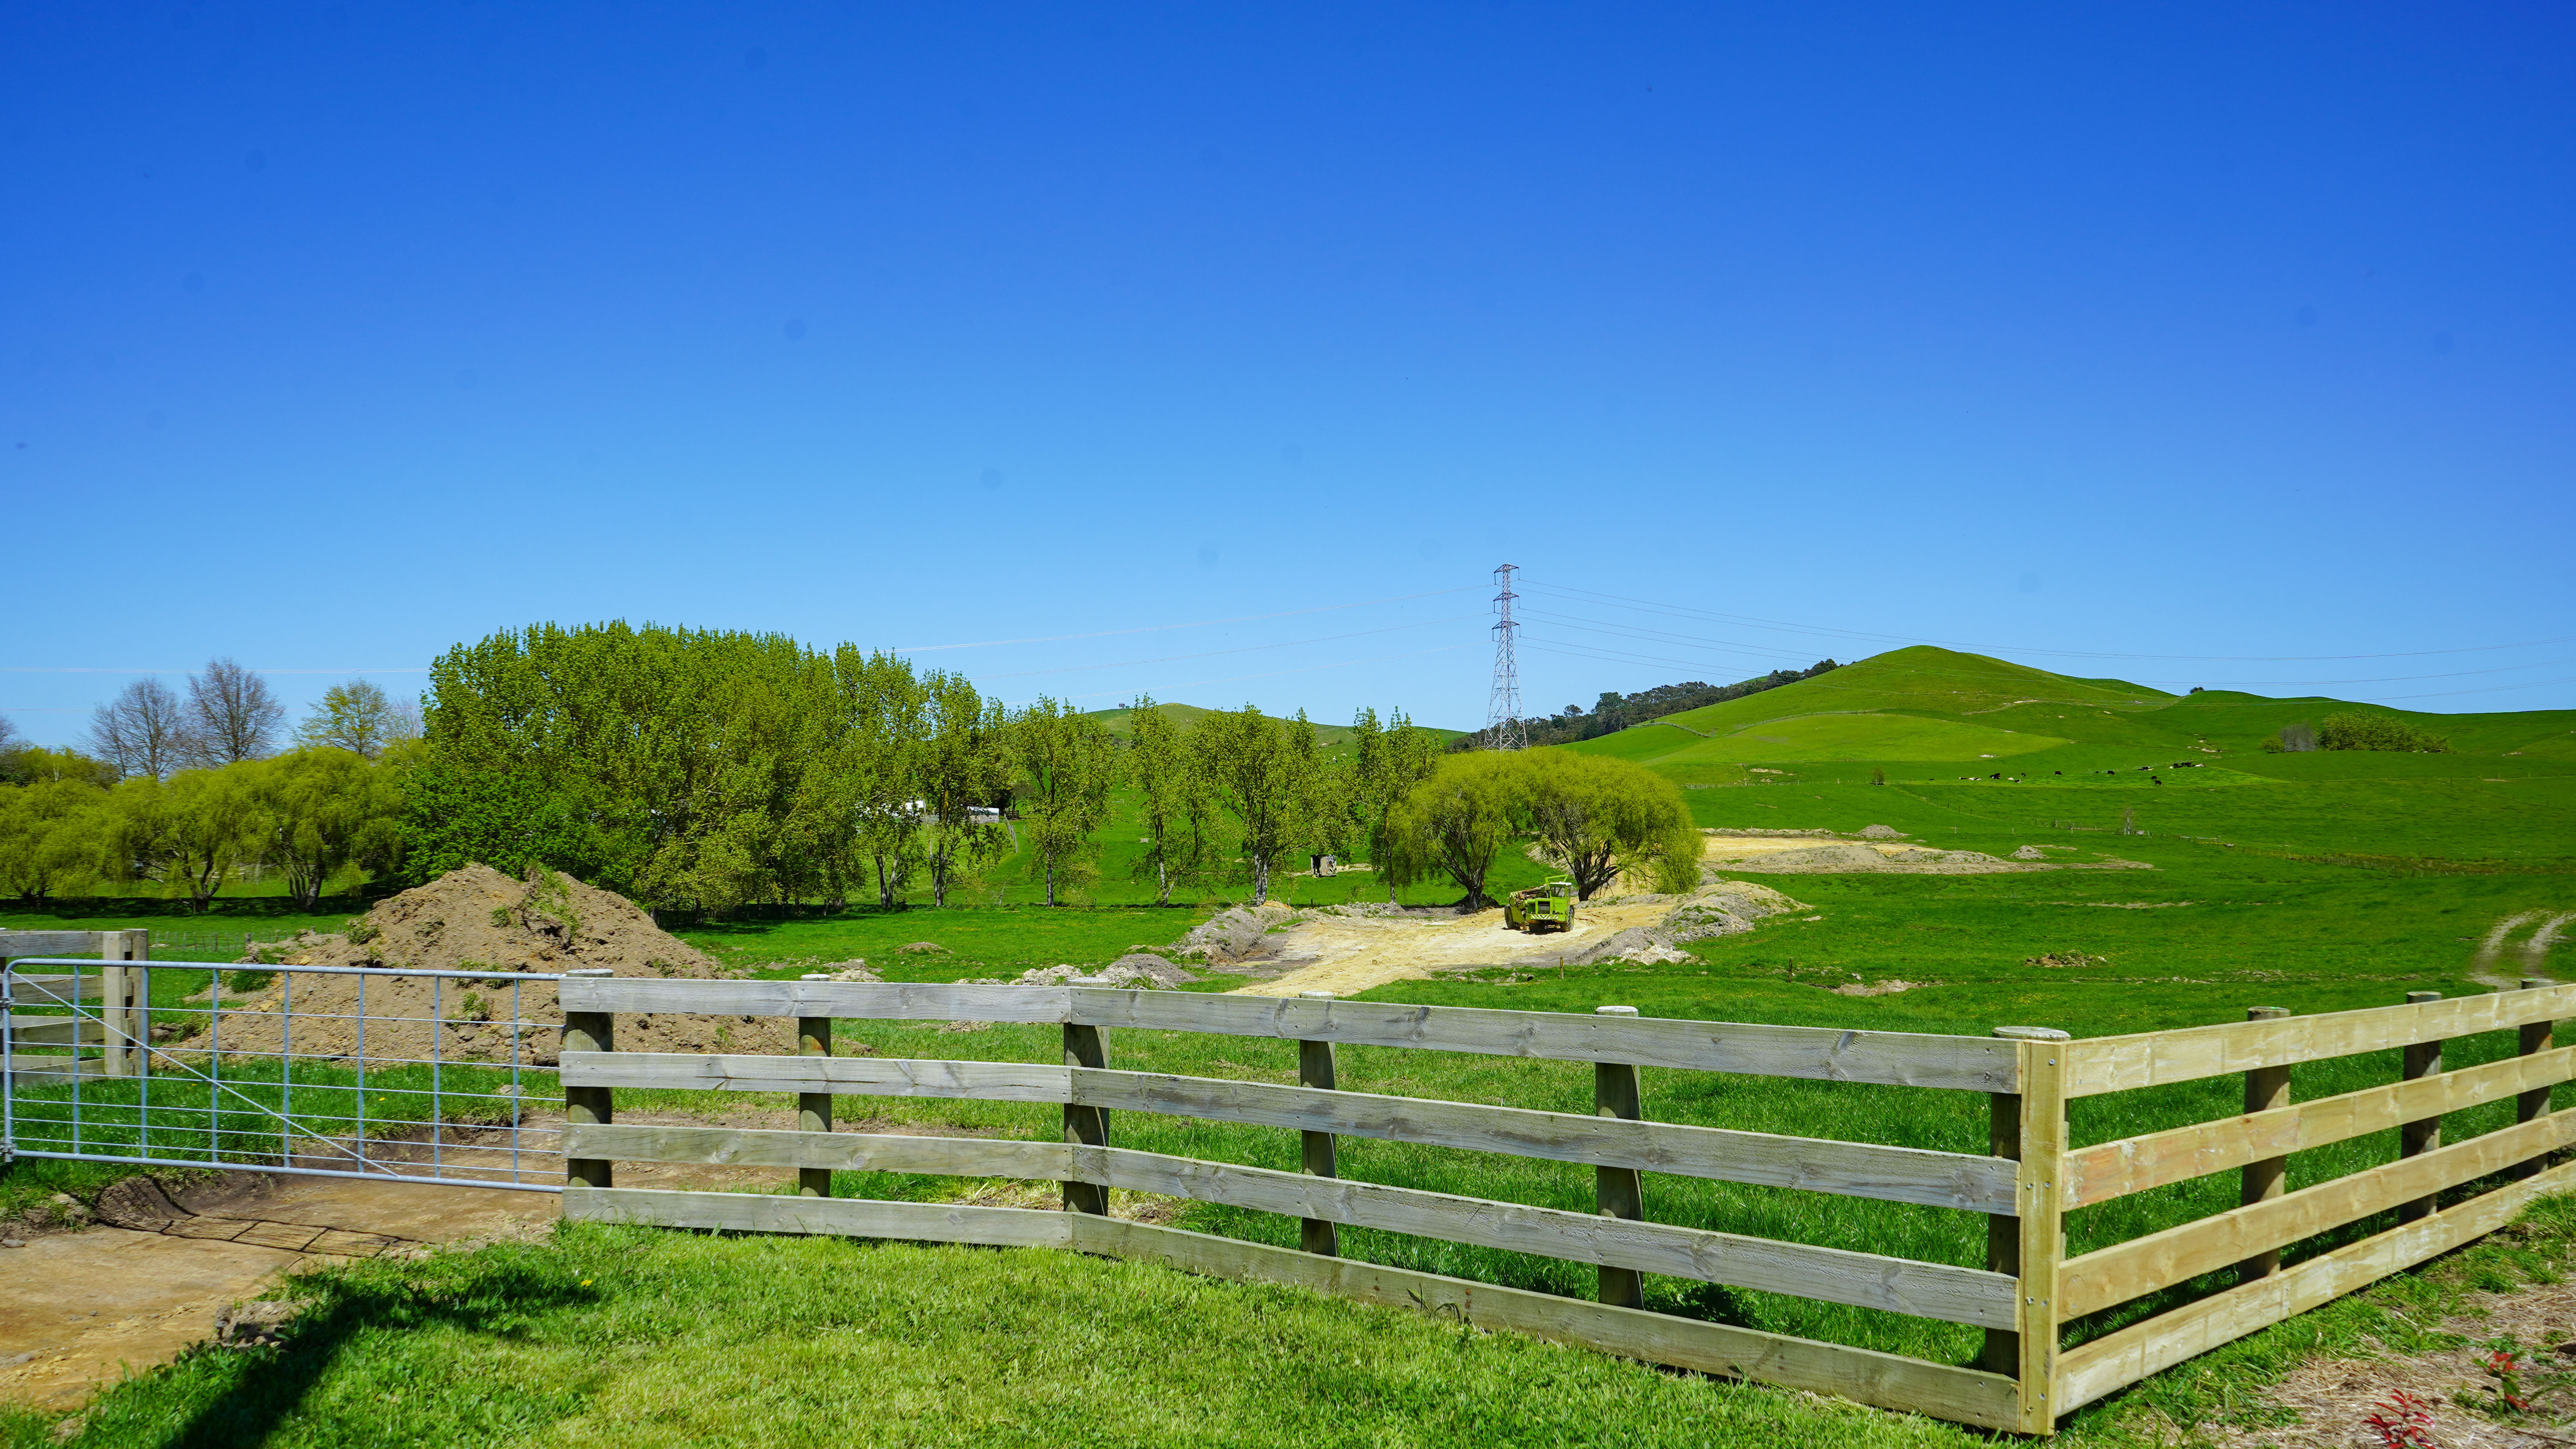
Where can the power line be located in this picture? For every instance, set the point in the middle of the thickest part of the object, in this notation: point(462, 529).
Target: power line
point(1682, 610)
point(1165, 628)
point(1275, 673)
point(1213, 653)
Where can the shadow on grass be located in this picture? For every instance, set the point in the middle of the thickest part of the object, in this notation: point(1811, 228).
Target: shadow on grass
point(259, 1390)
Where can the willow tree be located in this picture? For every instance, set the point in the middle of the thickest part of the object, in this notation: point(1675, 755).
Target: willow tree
point(1599, 819)
point(1458, 820)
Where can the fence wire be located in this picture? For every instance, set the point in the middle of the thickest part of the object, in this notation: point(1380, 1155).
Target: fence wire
point(426, 1076)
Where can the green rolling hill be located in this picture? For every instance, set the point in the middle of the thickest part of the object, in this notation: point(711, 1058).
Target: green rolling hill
point(1918, 706)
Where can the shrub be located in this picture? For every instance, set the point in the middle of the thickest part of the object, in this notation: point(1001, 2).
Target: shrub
point(2353, 730)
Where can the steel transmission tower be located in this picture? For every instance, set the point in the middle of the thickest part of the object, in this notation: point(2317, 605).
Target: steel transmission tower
point(1503, 727)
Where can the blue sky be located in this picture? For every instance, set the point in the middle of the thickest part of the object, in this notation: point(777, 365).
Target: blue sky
point(331, 335)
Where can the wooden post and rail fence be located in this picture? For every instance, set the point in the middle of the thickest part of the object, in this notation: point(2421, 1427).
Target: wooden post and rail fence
point(2024, 1298)
point(56, 1010)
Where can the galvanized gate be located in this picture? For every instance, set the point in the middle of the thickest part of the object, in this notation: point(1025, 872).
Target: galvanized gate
point(329, 1071)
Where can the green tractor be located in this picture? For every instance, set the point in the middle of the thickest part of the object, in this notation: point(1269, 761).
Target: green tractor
point(1541, 908)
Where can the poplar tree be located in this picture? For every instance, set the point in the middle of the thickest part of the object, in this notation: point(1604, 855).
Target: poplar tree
point(1266, 775)
point(1172, 806)
point(964, 766)
point(1066, 765)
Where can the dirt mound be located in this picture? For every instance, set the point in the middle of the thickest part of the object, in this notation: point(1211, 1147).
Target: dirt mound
point(1880, 832)
point(480, 921)
point(1152, 973)
point(1728, 908)
point(2057, 960)
point(1235, 935)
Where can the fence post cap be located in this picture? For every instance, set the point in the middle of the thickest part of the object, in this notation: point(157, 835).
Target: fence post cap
point(2032, 1033)
point(1614, 1011)
point(816, 976)
point(1315, 995)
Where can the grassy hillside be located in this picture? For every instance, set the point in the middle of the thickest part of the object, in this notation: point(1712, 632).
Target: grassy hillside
point(1910, 706)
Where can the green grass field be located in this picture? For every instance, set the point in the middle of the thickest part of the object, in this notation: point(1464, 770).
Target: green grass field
point(2315, 882)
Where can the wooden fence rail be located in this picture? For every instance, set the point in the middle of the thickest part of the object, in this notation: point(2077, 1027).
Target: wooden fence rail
point(2025, 1296)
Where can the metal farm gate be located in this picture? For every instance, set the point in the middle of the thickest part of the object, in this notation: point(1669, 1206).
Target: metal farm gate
point(368, 1072)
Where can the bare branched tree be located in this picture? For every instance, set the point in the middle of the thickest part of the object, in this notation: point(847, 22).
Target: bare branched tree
point(143, 731)
point(231, 715)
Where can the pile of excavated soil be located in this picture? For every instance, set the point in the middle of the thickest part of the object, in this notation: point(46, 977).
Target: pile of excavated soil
point(480, 921)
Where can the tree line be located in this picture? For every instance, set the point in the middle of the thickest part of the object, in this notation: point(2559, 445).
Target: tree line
point(190, 792)
point(702, 770)
point(1614, 711)
point(699, 770)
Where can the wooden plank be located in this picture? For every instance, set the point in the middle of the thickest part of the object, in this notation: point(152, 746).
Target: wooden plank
point(845, 1216)
point(1835, 1275)
point(2116, 1360)
point(2142, 1265)
point(841, 1151)
point(2152, 1059)
point(15, 944)
point(1887, 1380)
point(57, 990)
point(1858, 1169)
point(862, 1076)
point(872, 1000)
point(43, 1070)
point(27, 1031)
point(2135, 1164)
point(1966, 1063)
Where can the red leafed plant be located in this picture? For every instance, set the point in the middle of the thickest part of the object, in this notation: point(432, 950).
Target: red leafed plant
point(2402, 1421)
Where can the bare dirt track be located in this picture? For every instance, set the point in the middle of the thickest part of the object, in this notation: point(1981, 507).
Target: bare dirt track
point(1350, 954)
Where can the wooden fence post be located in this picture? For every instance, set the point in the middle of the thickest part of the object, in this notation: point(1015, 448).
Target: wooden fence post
point(120, 1004)
point(2029, 1127)
point(814, 1109)
point(1618, 1192)
point(2266, 1089)
point(1317, 1159)
point(1084, 1046)
point(588, 1031)
point(2532, 1105)
point(2422, 1059)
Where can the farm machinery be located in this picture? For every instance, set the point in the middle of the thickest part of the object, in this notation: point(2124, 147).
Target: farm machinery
point(1541, 908)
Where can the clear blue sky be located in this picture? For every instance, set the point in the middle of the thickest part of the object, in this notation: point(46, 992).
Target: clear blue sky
point(334, 334)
